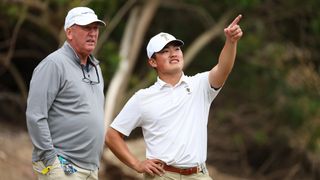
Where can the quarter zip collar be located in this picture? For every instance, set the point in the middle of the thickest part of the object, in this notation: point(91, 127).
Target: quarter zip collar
point(70, 52)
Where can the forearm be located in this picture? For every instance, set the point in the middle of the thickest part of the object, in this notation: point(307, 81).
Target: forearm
point(219, 74)
point(227, 57)
point(44, 88)
point(221, 71)
point(116, 143)
point(41, 139)
point(37, 124)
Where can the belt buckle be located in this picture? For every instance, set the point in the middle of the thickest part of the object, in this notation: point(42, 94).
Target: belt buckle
point(202, 168)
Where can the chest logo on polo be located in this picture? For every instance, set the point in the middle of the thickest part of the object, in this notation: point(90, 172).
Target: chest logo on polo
point(188, 89)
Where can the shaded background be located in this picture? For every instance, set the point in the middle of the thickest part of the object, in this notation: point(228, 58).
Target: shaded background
point(265, 123)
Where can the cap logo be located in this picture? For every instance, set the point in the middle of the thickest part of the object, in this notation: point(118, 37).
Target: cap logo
point(77, 15)
point(87, 12)
point(165, 37)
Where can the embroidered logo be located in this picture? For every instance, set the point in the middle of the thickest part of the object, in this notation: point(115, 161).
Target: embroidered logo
point(188, 89)
point(165, 36)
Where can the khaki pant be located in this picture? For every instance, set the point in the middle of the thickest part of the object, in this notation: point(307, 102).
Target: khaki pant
point(176, 176)
point(57, 173)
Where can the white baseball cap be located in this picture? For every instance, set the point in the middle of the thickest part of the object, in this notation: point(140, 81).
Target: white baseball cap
point(159, 41)
point(81, 16)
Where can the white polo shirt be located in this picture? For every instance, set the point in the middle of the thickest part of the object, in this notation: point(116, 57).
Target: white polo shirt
point(173, 119)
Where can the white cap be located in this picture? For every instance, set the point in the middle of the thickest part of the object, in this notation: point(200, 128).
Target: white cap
point(81, 16)
point(159, 41)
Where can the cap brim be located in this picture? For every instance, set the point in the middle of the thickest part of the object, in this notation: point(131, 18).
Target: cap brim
point(177, 42)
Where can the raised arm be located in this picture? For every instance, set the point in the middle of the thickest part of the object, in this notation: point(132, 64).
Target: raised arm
point(116, 143)
point(221, 71)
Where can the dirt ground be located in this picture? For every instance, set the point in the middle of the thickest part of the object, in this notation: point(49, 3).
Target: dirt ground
point(16, 149)
point(15, 154)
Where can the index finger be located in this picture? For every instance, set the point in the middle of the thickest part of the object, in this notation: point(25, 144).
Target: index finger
point(236, 20)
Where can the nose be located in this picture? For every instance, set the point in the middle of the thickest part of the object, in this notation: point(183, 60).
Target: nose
point(93, 31)
point(173, 53)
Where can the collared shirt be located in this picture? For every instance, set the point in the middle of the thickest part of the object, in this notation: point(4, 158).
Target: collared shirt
point(173, 119)
point(64, 113)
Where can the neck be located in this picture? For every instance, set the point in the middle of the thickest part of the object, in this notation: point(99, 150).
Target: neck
point(83, 59)
point(171, 79)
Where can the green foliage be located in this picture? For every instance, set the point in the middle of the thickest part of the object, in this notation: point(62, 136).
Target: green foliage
point(315, 25)
point(273, 90)
point(260, 137)
point(10, 11)
point(293, 115)
point(62, 2)
point(109, 60)
point(314, 141)
point(303, 112)
point(238, 140)
point(243, 3)
point(106, 8)
point(13, 10)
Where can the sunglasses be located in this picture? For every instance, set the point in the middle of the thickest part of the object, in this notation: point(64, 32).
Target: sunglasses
point(87, 79)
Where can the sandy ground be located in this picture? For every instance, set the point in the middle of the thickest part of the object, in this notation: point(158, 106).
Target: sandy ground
point(16, 149)
point(15, 155)
point(138, 148)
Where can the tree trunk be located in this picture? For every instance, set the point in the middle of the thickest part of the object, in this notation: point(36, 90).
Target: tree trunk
point(129, 50)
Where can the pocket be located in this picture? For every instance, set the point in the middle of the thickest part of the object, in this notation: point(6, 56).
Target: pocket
point(56, 163)
point(40, 168)
point(147, 176)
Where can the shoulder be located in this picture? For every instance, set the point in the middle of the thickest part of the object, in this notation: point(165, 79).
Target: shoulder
point(151, 89)
point(145, 93)
point(53, 62)
point(197, 77)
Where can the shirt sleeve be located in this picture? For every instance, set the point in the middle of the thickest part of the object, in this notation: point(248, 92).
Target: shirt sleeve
point(203, 83)
point(44, 87)
point(129, 117)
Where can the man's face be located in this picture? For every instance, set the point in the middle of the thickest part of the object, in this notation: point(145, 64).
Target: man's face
point(83, 38)
point(169, 60)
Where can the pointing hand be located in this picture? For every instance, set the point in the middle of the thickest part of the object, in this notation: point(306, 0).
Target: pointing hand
point(233, 32)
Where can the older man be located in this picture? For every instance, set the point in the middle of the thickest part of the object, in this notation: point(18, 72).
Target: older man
point(66, 103)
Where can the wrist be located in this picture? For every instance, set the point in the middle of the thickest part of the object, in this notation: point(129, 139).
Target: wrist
point(135, 165)
point(231, 41)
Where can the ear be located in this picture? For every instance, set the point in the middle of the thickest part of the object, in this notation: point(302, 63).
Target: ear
point(69, 33)
point(152, 62)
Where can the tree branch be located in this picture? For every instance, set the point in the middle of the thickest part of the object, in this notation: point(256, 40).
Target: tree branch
point(113, 23)
point(7, 59)
point(205, 38)
point(130, 47)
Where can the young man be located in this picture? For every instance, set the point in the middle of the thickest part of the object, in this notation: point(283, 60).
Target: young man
point(173, 113)
point(65, 105)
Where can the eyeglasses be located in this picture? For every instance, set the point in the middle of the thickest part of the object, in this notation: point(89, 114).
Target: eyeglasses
point(86, 79)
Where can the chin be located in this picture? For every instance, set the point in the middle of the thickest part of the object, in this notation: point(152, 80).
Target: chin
point(90, 49)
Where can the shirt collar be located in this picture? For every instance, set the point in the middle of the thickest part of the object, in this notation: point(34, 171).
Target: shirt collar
point(163, 84)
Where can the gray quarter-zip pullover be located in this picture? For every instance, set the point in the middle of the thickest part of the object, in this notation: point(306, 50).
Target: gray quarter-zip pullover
point(65, 112)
